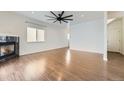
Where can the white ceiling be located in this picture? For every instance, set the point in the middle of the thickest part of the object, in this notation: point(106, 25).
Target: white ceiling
point(78, 16)
point(115, 14)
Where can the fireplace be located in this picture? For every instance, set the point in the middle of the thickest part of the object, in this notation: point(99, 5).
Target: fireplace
point(6, 50)
point(9, 47)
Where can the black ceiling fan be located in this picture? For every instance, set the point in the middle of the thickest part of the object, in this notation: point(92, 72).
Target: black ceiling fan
point(59, 17)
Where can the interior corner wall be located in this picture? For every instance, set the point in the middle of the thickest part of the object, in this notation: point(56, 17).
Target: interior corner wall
point(105, 55)
point(13, 24)
point(123, 35)
point(88, 36)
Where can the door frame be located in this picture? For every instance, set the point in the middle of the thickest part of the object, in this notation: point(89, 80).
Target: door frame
point(120, 35)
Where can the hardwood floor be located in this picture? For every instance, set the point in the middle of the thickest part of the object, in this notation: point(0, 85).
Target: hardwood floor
point(63, 64)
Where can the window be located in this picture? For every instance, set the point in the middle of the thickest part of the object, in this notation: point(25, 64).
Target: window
point(35, 35)
point(40, 35)
point(31, 34)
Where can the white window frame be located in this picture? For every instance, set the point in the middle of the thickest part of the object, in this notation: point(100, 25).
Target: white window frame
point(35, 34)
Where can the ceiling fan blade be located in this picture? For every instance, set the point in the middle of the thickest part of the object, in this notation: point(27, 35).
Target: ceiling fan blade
point(68, 19)
point(60, 21)
point(62, 14)
point(64, 21)
point(59, 17)
point(54, 14)
point(50, 16)
point(67, 16)
point(51, 19)
point(55, 21)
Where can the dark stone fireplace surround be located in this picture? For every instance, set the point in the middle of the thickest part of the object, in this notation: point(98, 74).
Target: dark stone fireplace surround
point(6, 43)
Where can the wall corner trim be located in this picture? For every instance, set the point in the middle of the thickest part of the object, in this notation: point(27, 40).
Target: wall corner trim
point(105, 58)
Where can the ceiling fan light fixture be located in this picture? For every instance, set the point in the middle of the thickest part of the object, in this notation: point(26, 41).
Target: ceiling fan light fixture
point(59, 17)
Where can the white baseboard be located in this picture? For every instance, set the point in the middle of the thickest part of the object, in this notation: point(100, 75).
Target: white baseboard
point(92, 51)
point(41, 51)
point(105, 58)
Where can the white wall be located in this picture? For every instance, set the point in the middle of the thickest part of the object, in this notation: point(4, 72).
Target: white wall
point(115, 14)
point(105, 56)
point(123, 35)
point(13, 24)
point(88, 36)
point(114, 33)
point(118, 14)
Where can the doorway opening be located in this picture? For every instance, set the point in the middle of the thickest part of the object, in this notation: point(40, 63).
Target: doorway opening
point(115, 38)
point(68, 40)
